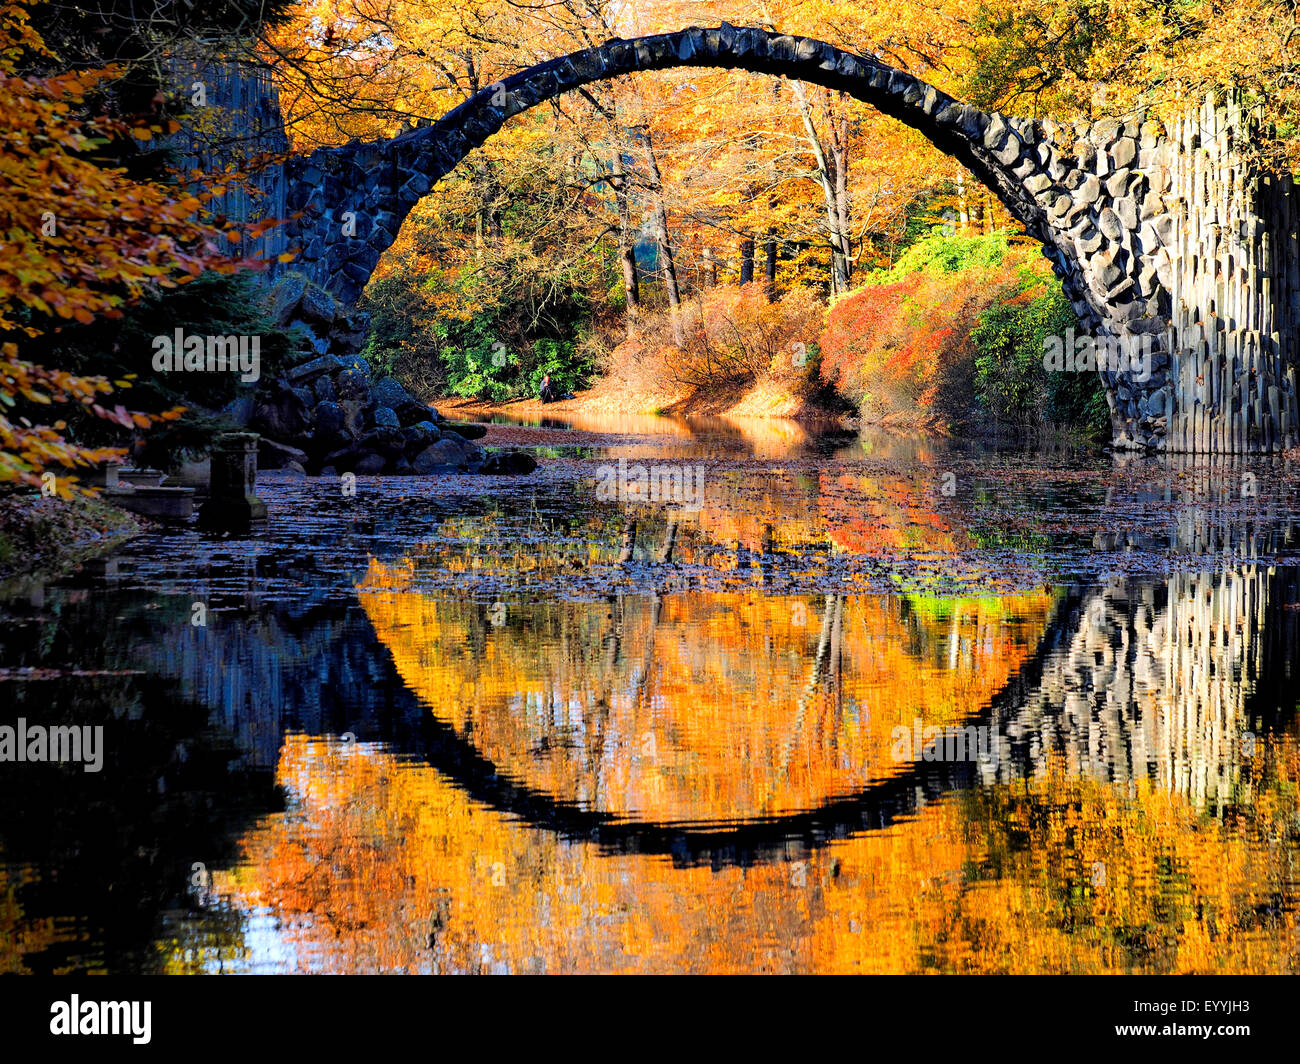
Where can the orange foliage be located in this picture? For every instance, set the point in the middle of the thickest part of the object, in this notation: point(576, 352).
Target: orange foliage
point(382, 864)
point(648, 728)
point(880, 517)
point(899, 348)
point(732, 333)
point(77, 240)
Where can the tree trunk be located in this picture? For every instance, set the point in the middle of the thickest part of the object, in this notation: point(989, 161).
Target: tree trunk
point(710, 269)
point(839, 126)
point(664, 240)
point(769, 271)
point(839, 246)
point(626, 242)
point(746, 261)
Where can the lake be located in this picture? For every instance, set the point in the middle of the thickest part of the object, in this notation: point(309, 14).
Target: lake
point(696, 696)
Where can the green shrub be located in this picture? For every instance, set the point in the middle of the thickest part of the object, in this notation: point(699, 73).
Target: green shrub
point(938, 253)
point(1010, 381)
point(489, 352)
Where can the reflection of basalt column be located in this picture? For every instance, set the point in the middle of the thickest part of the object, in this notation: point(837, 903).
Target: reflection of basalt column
point(1152, 684)
point(233, 504)
point(1212, 645)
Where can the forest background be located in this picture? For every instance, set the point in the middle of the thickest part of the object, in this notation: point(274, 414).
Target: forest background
point(697, 231)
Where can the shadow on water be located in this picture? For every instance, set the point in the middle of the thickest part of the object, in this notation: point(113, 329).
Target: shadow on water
point(94, 863)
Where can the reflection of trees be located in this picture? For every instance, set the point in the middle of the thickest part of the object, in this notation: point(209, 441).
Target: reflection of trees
point(744, 528)
point(1064, 873)
point(699, 706)
point(1096, 852)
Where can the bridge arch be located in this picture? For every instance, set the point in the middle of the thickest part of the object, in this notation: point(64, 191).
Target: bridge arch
point(1111, 204)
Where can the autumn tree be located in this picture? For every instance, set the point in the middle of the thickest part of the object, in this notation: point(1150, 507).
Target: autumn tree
point(82, 239)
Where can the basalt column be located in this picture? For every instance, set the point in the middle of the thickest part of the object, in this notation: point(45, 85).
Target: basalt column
point(1234, 277)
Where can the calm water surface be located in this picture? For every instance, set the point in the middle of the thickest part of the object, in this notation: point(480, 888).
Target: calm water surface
point(490, 725)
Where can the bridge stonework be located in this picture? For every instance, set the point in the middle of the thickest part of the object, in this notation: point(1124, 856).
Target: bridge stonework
point(1172, 245)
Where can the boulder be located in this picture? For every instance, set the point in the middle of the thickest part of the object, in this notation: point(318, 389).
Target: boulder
point(1089, 240)
point(415, 412)
point(309, 371)
point(1089, 191)
point(358, 363)
point(510, 463)
point(1109, 224)
point(445, 456)
point(420, 435)
point(324, 390)
point(387, 441)
point(328, 417)
point(284, 297)
point(1037, 184)
point(282, 415)
point(386, 417)
point(388, 392)
point(318, 307)
point(370, 464)
point(1123, 152)
point(308, 399)
point(353, 384)
point(271, 454)
point(1117, 183)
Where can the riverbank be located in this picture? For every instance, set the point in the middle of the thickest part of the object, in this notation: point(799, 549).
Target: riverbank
point(611, 396)
point(52, 535)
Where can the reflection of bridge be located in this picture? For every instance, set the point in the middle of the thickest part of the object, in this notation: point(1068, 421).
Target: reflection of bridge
point(1135, 680)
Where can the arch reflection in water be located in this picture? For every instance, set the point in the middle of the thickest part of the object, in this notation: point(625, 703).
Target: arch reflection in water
point(700, 708)
point(1126, 829)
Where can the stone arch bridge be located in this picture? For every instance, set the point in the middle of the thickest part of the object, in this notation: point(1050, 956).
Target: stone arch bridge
point(1174, 248)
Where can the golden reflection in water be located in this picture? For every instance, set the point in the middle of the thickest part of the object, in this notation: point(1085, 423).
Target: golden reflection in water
point(699, 706)
point(384, 866)
point(746, 517)
point(760, 437)
point(381, 864)
point(882, 516)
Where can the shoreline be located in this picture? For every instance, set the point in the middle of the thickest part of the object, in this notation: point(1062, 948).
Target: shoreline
point(608, 400)
point(47, 537)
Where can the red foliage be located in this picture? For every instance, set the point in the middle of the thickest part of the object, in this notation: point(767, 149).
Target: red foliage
point(904, 348)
